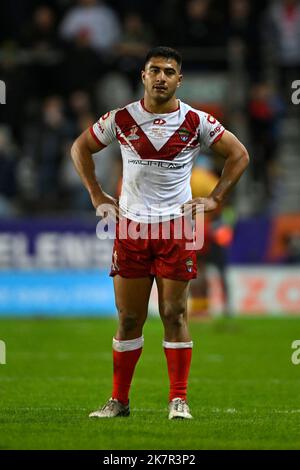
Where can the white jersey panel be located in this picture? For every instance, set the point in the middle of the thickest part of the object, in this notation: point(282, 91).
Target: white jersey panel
point(158, 152)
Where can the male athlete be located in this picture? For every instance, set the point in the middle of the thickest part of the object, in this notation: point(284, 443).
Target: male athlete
point(159, 137)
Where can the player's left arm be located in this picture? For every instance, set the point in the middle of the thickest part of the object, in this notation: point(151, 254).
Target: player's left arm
point(236, 161)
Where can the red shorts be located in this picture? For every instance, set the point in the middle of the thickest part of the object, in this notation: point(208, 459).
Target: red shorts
point(162, 255)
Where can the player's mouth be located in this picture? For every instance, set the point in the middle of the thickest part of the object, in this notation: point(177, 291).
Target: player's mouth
point(160, 88)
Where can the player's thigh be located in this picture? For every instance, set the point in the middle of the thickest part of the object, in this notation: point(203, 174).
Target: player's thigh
point(172, 296)
point(132, 295)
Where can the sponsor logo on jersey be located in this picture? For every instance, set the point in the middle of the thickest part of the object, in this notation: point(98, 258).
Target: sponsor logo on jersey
point(215, 131)
point(101, 129)
point(189, 265)
point(159, 122)
point(169, 166)
point(184, 134)
point(133, 133)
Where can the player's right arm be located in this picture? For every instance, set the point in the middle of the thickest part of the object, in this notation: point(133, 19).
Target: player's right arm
point(81, 152)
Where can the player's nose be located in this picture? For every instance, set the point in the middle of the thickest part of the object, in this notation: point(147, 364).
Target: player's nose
point(161, 78)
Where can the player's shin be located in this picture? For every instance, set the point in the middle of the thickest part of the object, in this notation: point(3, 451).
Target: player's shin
point(125, 356)
point(179, 356)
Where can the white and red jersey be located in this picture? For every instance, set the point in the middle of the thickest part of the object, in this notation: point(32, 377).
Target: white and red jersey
point(158, 152)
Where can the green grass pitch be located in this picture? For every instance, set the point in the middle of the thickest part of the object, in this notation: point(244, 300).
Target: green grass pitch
point(244, 389)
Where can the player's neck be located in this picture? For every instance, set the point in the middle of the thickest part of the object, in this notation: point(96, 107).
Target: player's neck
point(160, 108)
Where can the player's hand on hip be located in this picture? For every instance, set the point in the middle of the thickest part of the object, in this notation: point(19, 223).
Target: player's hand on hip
point(199, 204)
point(106, 206)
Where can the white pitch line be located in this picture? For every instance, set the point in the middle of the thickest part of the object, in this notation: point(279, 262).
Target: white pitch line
point(153, 410)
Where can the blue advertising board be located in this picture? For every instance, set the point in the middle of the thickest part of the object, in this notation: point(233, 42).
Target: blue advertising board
point(54, 267)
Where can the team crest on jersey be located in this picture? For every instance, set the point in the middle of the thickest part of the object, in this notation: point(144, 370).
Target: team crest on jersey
point(184, 134)
point(189, 265)
point(133, 133)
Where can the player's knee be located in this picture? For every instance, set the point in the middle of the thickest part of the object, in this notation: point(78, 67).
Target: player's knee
point(129, 321)
point(173, 315)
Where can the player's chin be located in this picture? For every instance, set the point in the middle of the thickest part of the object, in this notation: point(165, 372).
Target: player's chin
point(162, 95)
point(160, 92)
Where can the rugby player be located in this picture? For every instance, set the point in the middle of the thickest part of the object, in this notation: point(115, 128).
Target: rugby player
point(159, 137)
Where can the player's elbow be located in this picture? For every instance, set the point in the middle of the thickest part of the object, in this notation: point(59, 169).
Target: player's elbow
point(76, 148)
point(239, 157)
point(245, 159)
point(242, 155)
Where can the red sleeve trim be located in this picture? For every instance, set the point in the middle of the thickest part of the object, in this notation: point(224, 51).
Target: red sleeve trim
point(96, 138)
point(218, 138)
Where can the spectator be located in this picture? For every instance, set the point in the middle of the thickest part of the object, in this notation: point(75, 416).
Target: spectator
point(8, 163)
point(18, 84)
point(95, 20)
point(202, 28)
point(292, 248)
point(45, 146)
point(217, 237)
point(135, 42)
point(264, 110)
point(282, 31)
point(84, 77)
point(108, 169)
point(79, 105)
point(40, 39)
point(244, 32)
point(40, 33)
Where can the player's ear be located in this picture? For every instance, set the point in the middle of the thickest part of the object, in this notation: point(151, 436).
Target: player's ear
point(143, 76)
point(179, 81)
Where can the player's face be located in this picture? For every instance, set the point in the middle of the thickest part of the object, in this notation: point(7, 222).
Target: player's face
point(161, 78)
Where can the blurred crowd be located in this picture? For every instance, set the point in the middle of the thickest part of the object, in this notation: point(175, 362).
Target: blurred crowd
point(66, 62)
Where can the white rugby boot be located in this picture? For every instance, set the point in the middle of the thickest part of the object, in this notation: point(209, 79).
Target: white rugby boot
point(178, 409)
point(111, 409)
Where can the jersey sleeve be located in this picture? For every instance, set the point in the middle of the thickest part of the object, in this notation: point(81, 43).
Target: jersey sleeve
point(104, 130)
point(210, 130)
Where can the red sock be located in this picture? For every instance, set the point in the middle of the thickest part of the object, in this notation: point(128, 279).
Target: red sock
point(125, 356)
point(179, 357)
